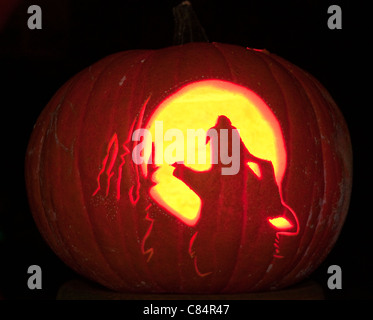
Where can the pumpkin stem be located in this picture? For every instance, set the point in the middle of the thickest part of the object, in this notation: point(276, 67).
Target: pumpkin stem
point(187, 25)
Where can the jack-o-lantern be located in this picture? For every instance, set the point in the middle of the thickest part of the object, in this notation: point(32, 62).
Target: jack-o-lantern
point(201, 168)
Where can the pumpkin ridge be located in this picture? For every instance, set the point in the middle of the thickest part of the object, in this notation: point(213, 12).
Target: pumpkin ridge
point(264, 58)
point(325, 230)
point(136, 219)
point(55, 230)
point(298, 257)
point(284, 69)
point(320, 213)
point(233, 78)
point(315, 236)
point(78, 165)
point(140, 56)
point(229, 65)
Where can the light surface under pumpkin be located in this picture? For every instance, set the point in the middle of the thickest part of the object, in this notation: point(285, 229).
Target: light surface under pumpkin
point(169, 225)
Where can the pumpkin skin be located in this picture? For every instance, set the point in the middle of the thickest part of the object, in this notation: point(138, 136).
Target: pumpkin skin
point(114, 238)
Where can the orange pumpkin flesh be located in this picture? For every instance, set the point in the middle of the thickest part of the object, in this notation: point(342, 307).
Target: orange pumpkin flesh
point(121, 224)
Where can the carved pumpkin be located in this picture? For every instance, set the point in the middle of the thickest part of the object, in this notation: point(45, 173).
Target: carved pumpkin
point(202, 168)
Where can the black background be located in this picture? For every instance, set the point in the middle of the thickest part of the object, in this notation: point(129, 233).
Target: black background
point(75, 34)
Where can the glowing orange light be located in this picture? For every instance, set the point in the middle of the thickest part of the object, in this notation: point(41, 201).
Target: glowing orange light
point(280, 223)
point(197, 106)
point(255, 168)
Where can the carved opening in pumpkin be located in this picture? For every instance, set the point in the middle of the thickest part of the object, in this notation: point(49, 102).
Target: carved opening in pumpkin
point(281, 223)
point(193, 110)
